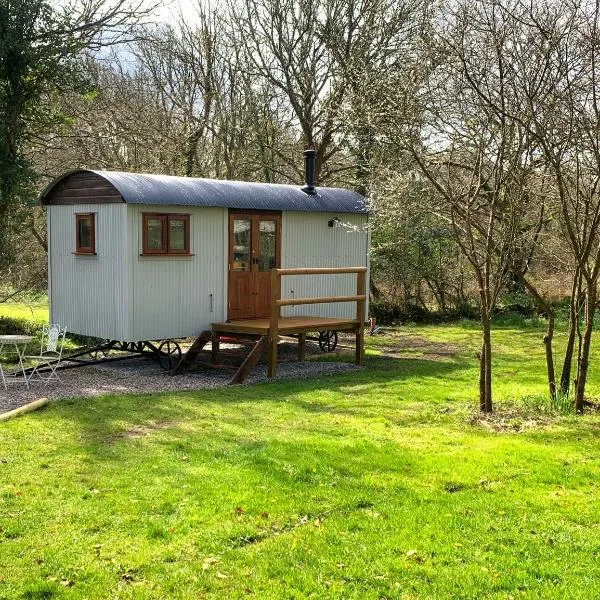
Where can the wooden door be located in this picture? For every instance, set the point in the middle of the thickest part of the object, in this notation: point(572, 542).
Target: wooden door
point(254, 250)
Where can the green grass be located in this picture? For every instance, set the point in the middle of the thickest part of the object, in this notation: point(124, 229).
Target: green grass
point(30, 311)
point(24, 318)
point(380, 484)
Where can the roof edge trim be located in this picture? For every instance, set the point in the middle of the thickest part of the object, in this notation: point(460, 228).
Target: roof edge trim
point(42, 198)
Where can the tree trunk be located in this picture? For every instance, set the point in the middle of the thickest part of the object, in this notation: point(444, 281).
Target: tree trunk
point(574, 306)
point(584, 355)
point(485, 365)
point(565, 375)
point(545, 307)
point(549, 356)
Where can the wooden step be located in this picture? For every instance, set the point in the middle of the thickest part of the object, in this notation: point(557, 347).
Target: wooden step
point(252, 348)
point(190, 356)
point(251, 360)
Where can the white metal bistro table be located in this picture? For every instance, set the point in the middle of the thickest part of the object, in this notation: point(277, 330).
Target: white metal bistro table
point(18, 344)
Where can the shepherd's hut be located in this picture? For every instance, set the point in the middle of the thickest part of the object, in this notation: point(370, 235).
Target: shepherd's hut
point(137, 257)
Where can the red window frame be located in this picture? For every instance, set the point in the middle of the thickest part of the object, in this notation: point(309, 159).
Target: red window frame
point(166, 219)
point(79, 218)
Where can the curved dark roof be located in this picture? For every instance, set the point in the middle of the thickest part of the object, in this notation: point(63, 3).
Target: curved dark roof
point(142, 188)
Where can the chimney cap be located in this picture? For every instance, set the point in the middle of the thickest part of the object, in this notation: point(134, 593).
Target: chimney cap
point(310, 156)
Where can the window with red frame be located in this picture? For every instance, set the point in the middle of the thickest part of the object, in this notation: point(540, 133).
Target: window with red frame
point(166, 234)
point(85, 233)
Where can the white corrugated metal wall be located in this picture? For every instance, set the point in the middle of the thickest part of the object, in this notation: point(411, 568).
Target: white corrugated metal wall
point(179, 296)
point(88, 294)
point(121, 295)
point(308, 241)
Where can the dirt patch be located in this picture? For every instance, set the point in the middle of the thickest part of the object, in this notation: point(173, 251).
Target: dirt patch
point(143, 430)
point(432, 350)
point(511, 422)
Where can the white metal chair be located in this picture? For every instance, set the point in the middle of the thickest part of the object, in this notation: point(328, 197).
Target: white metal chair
point(53, 340)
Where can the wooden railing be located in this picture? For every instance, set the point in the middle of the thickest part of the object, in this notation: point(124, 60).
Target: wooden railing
point(276, 303)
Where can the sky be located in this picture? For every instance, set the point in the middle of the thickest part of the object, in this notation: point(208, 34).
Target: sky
point(166, 10)
point(169, 10)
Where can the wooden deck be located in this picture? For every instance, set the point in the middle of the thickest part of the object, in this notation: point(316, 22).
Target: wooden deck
point(266, 331)
point(285, 325)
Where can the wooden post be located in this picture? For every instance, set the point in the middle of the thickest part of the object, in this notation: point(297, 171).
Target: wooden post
point(301, 346)
point(360, 317)
point(188, 358)
point(251, 360)
point(274, 325)
point(215, 345)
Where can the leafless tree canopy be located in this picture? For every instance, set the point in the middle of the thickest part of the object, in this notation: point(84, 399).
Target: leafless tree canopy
point(473, 127)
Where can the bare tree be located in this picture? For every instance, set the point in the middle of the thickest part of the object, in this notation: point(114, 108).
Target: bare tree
point(490, 47)
point(482, 165)
point(42, 44)
point(550, 59)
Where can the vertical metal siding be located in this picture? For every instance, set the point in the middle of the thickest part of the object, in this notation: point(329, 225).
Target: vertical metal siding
point(308, 241)
point(87, 293)
point(121, 295)
point(172, 295)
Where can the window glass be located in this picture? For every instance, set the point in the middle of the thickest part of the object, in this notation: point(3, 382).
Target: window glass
point(85, 233)
point(166, 234)
point(242, 234)
point(154, 232)
point(267, 240)
point(177, 234)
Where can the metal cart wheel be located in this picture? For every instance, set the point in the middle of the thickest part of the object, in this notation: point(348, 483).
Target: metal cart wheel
point(169, 354)
point(328, 340)
point(98, 348)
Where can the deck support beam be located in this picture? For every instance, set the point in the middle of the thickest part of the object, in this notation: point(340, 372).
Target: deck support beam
point(215, 347)
point(190, 356)
point(251, 360)
point(274, 324)
point(301, 347)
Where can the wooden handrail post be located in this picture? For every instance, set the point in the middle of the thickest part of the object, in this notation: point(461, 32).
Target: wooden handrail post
point(361, 295)
point(276, 304)
point(360, 317)
point(274, 325)
point(301, 347)
point(319, 300)
point(322, 270)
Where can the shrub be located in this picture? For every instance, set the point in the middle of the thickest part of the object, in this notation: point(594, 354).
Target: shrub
point(10, 325)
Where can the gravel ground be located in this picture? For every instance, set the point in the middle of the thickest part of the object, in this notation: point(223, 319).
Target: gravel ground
point(139, 375)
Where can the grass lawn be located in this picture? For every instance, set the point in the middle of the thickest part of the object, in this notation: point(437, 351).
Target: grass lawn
point(31, 311)
point(379, 484)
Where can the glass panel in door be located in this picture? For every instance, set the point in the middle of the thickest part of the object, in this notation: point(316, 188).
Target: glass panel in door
point(267, 245)
point(242, 244)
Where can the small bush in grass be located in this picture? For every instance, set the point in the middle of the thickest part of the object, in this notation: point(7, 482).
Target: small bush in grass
point(14, 326)
point(563, 404)
point(542, 403)
point(10, 325)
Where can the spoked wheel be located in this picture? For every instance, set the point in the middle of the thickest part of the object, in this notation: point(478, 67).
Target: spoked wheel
point(99, 348)
point(169, 354)
point(328, 340)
